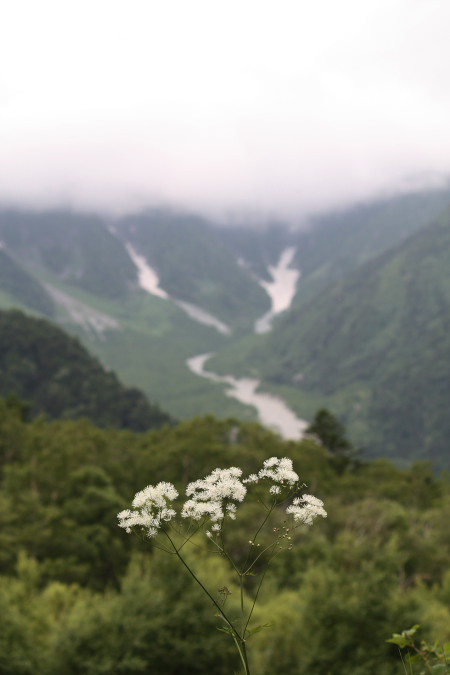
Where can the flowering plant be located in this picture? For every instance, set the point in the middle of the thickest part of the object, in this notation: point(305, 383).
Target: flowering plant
point(211, 503)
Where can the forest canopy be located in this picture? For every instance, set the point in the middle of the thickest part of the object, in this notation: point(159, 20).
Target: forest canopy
point(78, 595)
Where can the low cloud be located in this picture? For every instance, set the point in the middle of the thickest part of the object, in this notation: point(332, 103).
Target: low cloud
point(254, 108)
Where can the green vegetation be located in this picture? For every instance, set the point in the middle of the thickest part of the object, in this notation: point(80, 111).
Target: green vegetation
point(331, 433)
point(57, 377)
point(422, 657)
point(78, 595)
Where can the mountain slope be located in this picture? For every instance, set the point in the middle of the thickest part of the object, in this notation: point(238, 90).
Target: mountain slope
point(56, 375)
point(21, 288)
point(75, 248)
point(337, 243)
point(377, 345)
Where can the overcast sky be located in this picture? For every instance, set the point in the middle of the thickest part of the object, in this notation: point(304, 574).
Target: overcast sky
point(274, 107)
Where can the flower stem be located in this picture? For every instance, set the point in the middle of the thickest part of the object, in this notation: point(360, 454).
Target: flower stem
point(238, 639)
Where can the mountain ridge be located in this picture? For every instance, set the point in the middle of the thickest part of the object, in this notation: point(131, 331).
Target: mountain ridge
point(53, 373)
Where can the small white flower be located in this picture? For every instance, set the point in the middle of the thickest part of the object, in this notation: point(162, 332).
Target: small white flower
point(278, 471)
point(275, 490)
point(231, 510)
point(157, 495)
point(273, 461)
point(214, 496)
point(306, 508)
point(150, 509)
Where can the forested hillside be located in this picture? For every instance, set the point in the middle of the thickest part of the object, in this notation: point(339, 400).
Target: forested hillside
point(79, 595)
point(376, 345)
point(56, 376)
point(335, 244)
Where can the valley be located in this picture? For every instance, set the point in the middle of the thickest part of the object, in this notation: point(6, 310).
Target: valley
point(292, 320)
point(271, 410)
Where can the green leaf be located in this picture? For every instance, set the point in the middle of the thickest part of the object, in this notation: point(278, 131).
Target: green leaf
point(411, 631)
point(399, 640)
point(257, 629)
point(225, 629)
point(404, 638)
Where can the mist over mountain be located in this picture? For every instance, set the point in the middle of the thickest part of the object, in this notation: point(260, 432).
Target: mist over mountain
point(302, 114)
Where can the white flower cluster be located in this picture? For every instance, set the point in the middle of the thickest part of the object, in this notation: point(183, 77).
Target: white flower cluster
point(304, 509)
point(150, 508)
point(277, 470)
point(214, 496)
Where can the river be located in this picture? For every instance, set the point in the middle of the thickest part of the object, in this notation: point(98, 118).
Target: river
point(272, 411)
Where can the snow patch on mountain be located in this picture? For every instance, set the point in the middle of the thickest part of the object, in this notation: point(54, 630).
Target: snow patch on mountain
point(149, 281)
point(148, 278)
point(281, 289)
